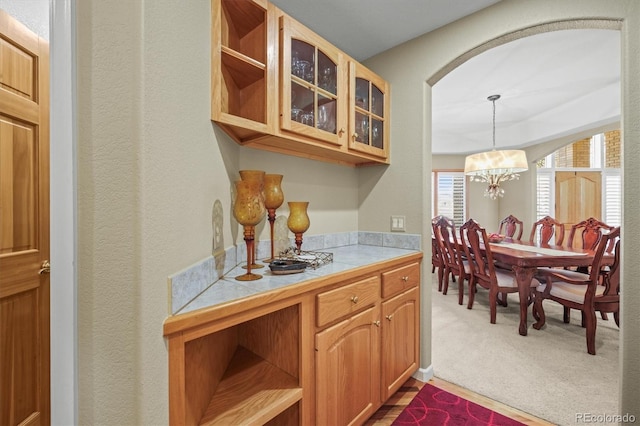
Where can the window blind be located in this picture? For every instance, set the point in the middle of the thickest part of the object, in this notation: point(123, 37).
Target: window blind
point(450, 196)
point(612, 197)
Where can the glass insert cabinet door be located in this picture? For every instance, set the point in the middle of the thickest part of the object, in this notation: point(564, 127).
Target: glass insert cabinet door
point(313, 96)
point(369, 108)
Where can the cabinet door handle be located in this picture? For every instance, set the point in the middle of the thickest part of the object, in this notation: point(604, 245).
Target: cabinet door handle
point(389, 317)
point(405, 279)
point(376, 323)
point(341, 131)
point(354, 299)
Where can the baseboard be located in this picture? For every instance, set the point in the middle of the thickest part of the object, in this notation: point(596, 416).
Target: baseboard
point(423, 374)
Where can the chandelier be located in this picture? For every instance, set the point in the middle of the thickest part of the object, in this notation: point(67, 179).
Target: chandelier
point(494, 167)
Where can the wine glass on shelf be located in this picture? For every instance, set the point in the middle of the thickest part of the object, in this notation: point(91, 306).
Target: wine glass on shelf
point(303, 69)
point(249, 209)
point(327, 80)
point(323, 117)
point(273, 198)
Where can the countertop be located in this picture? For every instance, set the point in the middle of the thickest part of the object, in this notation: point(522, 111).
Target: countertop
point(346, 260)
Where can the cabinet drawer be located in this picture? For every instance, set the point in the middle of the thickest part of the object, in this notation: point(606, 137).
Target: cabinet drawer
point(400, 279)
point(347, 299)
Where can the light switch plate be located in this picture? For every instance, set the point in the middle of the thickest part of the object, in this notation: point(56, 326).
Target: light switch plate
point(398, 223)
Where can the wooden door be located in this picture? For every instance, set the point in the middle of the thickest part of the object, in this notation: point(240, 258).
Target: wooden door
point(24, 225)
point(578, 197)
point(400, 340)
point(348, 370)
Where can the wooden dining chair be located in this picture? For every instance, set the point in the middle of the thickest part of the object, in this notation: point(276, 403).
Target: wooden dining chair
point(483, 272)
point(546, 228)
point(587, 234)
point(590, 293)
point(511, 227)
point(452, 256)
point(437, 261)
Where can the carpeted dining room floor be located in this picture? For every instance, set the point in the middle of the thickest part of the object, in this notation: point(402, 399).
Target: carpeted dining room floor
point(547, 373)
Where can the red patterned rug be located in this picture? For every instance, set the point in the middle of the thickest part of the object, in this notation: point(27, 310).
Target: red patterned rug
point(434, 406)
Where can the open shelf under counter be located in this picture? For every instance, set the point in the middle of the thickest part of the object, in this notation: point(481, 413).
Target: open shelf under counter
point(252, 391)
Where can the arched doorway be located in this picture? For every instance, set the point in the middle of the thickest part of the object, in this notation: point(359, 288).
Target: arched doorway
point(489, 354)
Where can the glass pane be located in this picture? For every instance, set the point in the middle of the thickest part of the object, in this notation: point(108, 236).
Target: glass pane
point(327, 73)
point(362, 128)
point(327, 114)
point(362, 93)
point(301, 102)
point(376, 133)
point(302, 60)
point(377, 101)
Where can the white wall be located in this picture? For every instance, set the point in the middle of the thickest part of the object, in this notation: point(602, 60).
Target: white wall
point(428, 57)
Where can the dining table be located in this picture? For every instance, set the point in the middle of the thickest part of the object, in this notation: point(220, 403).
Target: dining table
point(525, 257)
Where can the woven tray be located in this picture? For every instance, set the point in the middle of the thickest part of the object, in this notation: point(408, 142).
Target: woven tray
point(315, 259)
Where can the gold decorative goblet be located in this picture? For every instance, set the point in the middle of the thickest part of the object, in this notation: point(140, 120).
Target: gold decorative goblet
point(249, 210)
point(298, 221)
point(256, 176)
point(273, 198)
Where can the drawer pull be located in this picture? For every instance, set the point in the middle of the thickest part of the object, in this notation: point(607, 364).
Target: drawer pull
point(405, 279)
point(376, 323)
point(389, 317)
point(354, 299)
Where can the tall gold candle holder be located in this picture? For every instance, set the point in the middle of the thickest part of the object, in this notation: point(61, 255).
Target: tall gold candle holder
point(248, 209)
point(254, 176)
point(273, 198)
point(298, 221)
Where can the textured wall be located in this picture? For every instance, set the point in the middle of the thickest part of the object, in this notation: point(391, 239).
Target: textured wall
point(151, 164)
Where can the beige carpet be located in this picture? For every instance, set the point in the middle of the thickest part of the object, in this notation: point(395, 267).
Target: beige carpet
point(547, 373)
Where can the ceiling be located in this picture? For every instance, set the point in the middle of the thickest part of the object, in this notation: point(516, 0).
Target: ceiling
point(552, 85)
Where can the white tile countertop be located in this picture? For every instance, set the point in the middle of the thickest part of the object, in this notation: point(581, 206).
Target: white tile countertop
point(345, 259)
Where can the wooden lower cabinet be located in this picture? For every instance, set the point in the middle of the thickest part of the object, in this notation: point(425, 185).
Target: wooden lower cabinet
point(348, 370)
point(400, 340)
point(324, 352)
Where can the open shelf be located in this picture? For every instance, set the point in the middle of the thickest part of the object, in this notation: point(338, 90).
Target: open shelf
point(246, 372)
point(239, 66)
point(244, 28)
point(252, 391)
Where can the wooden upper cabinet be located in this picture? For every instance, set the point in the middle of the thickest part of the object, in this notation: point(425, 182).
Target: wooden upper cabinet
point(278, 86)
point(313, 85)
point(369, 112)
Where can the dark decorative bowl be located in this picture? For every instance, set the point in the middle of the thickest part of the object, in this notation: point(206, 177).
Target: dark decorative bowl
point(285, 266)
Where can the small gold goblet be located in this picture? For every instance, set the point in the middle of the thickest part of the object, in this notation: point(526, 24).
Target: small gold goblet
point(298, 221)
